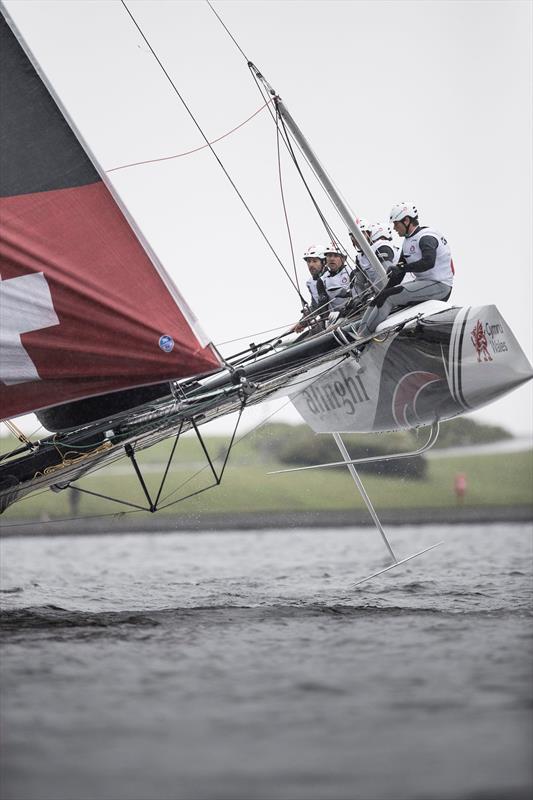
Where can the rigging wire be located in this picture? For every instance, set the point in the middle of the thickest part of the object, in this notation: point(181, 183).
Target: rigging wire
point(333, 236)
point(16, 432)
point(258, 333)
point(233, 39)
point(320, 213)
point(287, 142)
point(226, 173)
point(285, 208)
point(285, 136)
point(275, 117)
point(194, 150)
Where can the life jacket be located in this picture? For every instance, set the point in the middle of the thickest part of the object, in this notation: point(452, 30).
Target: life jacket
point(339, 287)
point(388, 254)
point(443, 271)
point(317, 290)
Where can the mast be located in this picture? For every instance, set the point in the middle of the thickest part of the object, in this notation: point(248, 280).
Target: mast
point(346, 213)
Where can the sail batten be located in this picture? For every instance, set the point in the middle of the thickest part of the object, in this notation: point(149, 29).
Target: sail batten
point(118, 320)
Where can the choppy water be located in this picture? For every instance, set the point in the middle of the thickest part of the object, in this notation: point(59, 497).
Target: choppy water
point(240, 665)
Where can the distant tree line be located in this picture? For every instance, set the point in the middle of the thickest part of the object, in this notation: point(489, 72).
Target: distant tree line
point(462, 432)
point(297, 445)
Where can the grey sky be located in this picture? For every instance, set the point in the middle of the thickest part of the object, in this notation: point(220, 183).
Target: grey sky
point(429, 101)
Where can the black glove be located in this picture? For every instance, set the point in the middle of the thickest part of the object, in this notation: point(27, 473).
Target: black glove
point(396, 275)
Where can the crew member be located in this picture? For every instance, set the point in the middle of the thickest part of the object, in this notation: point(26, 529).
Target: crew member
point(426, 254)
point(365, 276)
point(383, 245)
point(319, 305)
point(379, 237)
point(316, 264)
point(338, 280)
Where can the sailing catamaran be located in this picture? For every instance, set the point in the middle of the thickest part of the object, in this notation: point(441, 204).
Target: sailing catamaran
point(108, 380)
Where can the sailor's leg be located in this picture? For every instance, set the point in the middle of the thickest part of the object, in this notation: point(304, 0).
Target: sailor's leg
point(379, 310)
point(420, 290)
point(390, 300)
point(376, 281)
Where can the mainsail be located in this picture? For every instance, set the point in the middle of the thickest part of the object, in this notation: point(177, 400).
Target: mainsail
point(84, 309)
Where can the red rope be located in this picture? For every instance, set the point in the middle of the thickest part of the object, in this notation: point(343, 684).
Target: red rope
point(189, 152)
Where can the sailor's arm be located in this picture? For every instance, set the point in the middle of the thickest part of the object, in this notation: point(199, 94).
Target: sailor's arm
point(385, 253)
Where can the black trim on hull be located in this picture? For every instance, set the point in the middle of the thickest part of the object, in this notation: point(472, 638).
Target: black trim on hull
point(69, 416)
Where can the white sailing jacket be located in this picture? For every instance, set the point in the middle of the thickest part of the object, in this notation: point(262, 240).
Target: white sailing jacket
point(318, 300)
point(443, 271)
point(388, 254)
point(339, 287)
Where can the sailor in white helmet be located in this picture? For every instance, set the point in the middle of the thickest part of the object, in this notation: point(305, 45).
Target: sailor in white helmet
point(365, 274)
point(426, 254)
point(338, 279)
point(318, 308)
point(383, 245)
point(364, 227)
point(316, 264)
point(379, 237)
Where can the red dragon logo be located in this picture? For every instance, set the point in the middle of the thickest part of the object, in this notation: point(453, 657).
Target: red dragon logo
point(479, 340)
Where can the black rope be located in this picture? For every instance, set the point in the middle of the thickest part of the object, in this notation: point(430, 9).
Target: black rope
point(223, 168)
point(285, 208)
point(239, 48)
point(287, 142)
point(326, 224)
point(264, 94)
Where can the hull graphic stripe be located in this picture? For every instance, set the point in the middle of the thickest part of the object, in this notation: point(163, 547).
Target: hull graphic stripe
point(459, 360)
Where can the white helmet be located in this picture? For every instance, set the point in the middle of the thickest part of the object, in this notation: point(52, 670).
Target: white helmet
point(401, 210)
point(378, 230)
point(362, 224)
point(313, 251)
point(332, 247)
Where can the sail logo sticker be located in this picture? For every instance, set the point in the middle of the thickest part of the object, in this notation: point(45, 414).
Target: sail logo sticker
point(479, 340)
point(488, 337)
point(166, 343)
point(495, 336)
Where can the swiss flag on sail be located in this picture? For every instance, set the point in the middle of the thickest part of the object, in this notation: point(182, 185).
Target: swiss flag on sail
point(83, 309)
point(26, 306)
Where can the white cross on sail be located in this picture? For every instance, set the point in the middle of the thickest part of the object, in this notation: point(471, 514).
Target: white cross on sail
point(25, 305)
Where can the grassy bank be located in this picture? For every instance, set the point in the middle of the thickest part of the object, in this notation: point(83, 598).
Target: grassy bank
point(494, 480)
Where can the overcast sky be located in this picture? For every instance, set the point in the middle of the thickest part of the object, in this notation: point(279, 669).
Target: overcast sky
point(428, 101)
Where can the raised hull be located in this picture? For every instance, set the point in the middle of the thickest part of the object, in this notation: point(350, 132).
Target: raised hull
point(445, 364)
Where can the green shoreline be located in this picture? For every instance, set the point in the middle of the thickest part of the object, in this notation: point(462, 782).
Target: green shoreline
point(499, 488)
point(165, 523)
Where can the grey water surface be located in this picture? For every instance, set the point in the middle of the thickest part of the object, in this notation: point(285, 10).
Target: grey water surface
point(242, 665)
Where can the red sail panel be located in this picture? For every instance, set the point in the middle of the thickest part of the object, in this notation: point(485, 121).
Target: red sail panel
point(83, 311)
point(117, 325)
